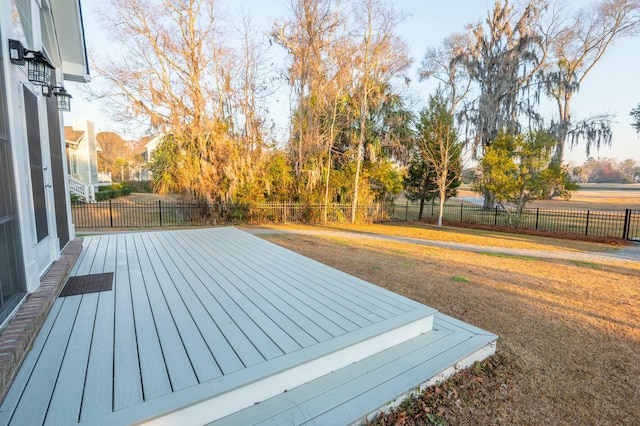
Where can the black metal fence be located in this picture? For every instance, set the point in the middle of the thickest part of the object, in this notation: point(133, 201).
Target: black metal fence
point(613, 224)
point(116, 214)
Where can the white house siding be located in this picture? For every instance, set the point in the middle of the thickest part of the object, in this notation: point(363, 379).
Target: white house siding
point(37, 246)
point(86, 151)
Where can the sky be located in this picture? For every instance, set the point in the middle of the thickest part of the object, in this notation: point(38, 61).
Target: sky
point(612, 87)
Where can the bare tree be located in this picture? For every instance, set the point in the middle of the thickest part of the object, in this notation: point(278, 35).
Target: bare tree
point(577, 48)
point(164, 79)
point(439, 147)
point(381, 57)
point(308, 37)
point(442, 64)
point(115, 154)
point(181, 74)
point(337, 112)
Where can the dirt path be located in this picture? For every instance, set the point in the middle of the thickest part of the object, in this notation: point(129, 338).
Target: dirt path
point(626, 254)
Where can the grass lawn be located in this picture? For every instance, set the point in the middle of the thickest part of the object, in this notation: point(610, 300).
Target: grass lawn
point(460, 235)
point(589, 197)
point(569, 346)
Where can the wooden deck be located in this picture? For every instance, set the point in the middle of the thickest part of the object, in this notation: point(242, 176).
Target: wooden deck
point(203, 324)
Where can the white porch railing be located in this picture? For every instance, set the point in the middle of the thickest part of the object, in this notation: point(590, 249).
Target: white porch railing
point(81, 189)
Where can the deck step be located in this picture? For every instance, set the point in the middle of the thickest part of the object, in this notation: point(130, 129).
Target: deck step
point(231, 393)
point(375, 383)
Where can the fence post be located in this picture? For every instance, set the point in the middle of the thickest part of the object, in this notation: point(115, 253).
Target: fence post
point(586, 228)
point(406, 212)
point(160, 211)
point(495, 221)
point(110, 214)
point(538, 216)
point(461, 206)
point(627, 223)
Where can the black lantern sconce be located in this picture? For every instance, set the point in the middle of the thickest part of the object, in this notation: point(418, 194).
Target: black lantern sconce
point(39, 72)
point(63, 97)
point(38, 66)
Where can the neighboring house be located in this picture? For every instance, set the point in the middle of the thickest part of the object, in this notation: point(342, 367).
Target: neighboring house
point(35, 220)
point(82, 159)
point(143, 172)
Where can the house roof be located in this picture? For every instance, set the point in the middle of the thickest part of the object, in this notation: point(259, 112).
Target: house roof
point(72, 136)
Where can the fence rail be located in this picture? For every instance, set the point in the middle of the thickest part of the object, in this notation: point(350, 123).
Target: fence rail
point(115, 214)
point(612, 224)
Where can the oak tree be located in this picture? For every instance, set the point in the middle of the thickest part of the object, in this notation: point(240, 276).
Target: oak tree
point(577, 46)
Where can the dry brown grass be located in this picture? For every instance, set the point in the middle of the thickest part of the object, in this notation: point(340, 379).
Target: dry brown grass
point(137, 197)
point(569, 332)
point(423, 230)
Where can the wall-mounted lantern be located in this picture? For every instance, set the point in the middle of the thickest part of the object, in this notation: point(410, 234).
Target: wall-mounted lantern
point(63, 97)
point(38, 66)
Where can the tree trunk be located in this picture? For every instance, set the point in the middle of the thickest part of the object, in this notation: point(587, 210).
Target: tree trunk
point(421, 209)
point(441, 212)
point(356, 180)
point(558, 155)
point(489, 199)
point(564, 109)
point(363, 124)
point(330, 148)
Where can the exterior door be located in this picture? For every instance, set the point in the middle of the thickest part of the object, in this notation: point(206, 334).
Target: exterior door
point(39, 190)
point(12, 282)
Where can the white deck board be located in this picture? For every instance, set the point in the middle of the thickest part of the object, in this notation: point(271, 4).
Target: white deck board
point(274, 323)
point(216, 316)
point(97, 399)
point(155, 377)
point(343, 285)
point(178, 365)
point(233, 350)
point(47, 373)
point(387, 333)
point(336, 279)
point(385, 302)
point(312, 301)
point(16, 390)
point(187, 333)
point(127, 386)
point(274, 305)
point(66, 401)
point(232, 301)
point(85, 260)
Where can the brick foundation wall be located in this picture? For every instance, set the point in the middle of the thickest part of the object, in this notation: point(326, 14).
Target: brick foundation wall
point(17, 338)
